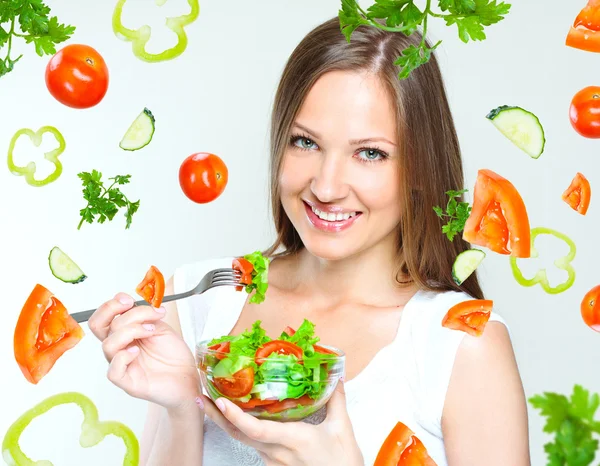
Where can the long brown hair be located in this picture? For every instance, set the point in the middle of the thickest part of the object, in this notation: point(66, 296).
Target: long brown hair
point(430, 154)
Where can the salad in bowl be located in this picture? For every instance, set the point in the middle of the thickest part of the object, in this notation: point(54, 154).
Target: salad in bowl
point(284, 379)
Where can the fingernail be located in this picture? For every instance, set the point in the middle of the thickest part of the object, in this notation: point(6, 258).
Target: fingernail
point(220, 405)
point(149, 327)
point(125, 300)
point(199, 402)
point(161, 310)
point(133, 349)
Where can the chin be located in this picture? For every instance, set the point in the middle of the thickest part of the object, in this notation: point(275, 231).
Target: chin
point(330, 249)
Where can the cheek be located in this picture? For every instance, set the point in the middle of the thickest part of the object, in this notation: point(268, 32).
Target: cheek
point(379, 189)
point(295, 175)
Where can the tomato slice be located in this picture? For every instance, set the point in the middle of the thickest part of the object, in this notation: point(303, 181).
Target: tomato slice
point(254, 403)
point(469, 316)
point(590, 308)
point(238, 385)
point(403, 448)
point(44, 331)
point(246, 267)
point(152, 287)
point(579, 194)
point(289, 330)
point(320, 349)
point(585, 32)
point(279, 347)
point(221, 348)
point(288, 403)
point(498, 219)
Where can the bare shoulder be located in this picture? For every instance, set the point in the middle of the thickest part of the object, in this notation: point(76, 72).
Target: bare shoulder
point(485, 407)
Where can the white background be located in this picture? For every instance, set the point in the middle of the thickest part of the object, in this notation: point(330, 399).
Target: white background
point(217, 98)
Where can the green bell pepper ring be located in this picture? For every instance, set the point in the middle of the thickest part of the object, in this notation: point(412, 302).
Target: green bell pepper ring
point(92, 431)
point(36, 138)
point(140, 37)
point(563, 263)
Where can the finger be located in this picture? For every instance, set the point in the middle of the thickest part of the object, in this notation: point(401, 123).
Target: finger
point(137, 315)
point(117, 370)
point(337, 411)
point(270, 461)
point(119, 340)
point(99, 322)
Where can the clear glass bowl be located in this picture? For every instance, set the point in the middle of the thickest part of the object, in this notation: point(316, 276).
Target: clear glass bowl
point(276, 391)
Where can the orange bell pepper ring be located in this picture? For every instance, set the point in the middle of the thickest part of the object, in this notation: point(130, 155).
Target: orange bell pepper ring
point(498, 219)
point(152, 287)
point(469, 316)
point(584, 34)
point(403, 448)
point(44, 332)
point(579, 194)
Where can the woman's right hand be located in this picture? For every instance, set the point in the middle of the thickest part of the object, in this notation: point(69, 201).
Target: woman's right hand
point(148, 359)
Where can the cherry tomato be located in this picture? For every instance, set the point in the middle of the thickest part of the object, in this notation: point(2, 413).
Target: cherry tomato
point(238, 385)
point(590, 308)
point(77, 76)
point(282, 405)
point(203, 177)
point(277, 346)
point(584, 112)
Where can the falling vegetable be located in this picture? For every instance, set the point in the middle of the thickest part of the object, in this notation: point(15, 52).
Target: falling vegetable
point(93, 431)
point(140, 37)
point(563, 263)
point(521, 127)
point(64, 268)
point(584, 112)
point(584, 34)
point(32, 18)
point(255, 273)
point(105, 202)
point(77, 76)
point(44, 332)
point(469, 316)
point(578, 195)
point(498, 219)
point(457, 213)
point(590, 308)
point(140, 132)
point(52, 156)
point(152, 287)
point(203, 177)
point(470, 17)
point(465, 264)
point(403, 448)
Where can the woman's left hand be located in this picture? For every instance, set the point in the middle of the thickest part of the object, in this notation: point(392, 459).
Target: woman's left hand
point(293, 443)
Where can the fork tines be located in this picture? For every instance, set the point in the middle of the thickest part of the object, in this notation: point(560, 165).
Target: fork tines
point(226, 277)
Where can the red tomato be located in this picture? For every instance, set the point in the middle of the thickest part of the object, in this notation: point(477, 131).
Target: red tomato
point(254, 403)
point(469, 316)
point(585, 31)
point(584, 112)
point(289, 330)
point(152, 287)
point(282, 405)
point(320, 349)
point(590, 308)
point(403, 448)
point(221, 348)
point(203, 177)
point(277, 346)
point(77, 76)
point(579, 194)
point(238, 385)
point(246, 267)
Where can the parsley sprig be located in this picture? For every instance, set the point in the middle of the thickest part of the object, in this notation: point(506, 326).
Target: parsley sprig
point(104, 202)
point(457, 214)
point(470, 17)
point(572, 422)
point(35, 24)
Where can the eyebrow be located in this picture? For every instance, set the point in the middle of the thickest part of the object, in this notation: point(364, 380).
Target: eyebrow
point(354, 142)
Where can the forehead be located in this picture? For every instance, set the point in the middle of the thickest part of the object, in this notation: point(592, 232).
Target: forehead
point(351, 105)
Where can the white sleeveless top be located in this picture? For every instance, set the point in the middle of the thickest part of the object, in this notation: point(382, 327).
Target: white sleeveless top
point(411, 374)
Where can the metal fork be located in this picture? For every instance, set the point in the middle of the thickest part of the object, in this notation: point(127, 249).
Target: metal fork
point(214, 278)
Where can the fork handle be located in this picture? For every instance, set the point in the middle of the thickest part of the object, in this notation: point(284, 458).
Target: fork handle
point(84, 316)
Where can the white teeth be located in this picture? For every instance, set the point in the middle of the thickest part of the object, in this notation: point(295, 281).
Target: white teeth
point(332, 217)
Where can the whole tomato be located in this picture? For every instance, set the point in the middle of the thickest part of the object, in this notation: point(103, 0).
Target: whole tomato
point(203, 177)
point(584, 112)
point(77, 76)
point(590, 308)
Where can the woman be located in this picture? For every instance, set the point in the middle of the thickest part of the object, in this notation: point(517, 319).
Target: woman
point(358, 160)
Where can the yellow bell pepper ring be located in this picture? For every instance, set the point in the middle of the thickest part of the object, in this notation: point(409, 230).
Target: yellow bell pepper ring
point(52, 156)
point(92, 431)
point(140, 37)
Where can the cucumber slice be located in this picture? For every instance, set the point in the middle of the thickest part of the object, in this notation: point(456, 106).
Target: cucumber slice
point(465, 264)
point(63, 267)
point(140, 132)
point(521, 127)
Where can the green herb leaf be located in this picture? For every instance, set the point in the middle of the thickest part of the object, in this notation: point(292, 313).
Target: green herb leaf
point(457, 213)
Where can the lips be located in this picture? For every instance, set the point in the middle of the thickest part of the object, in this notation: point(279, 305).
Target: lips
point(331, 221)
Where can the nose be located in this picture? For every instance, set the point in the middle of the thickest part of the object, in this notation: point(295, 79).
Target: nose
point(329, 184)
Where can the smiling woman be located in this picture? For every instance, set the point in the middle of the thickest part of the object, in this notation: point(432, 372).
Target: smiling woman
point(358, 160)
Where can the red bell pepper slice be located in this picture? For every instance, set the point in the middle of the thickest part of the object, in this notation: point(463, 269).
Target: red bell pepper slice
point(579, 194)
point(44, 331)
point(498, 219)
point(403, 448)
point(469, 316)
point(585, 32)
point(152, 287)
